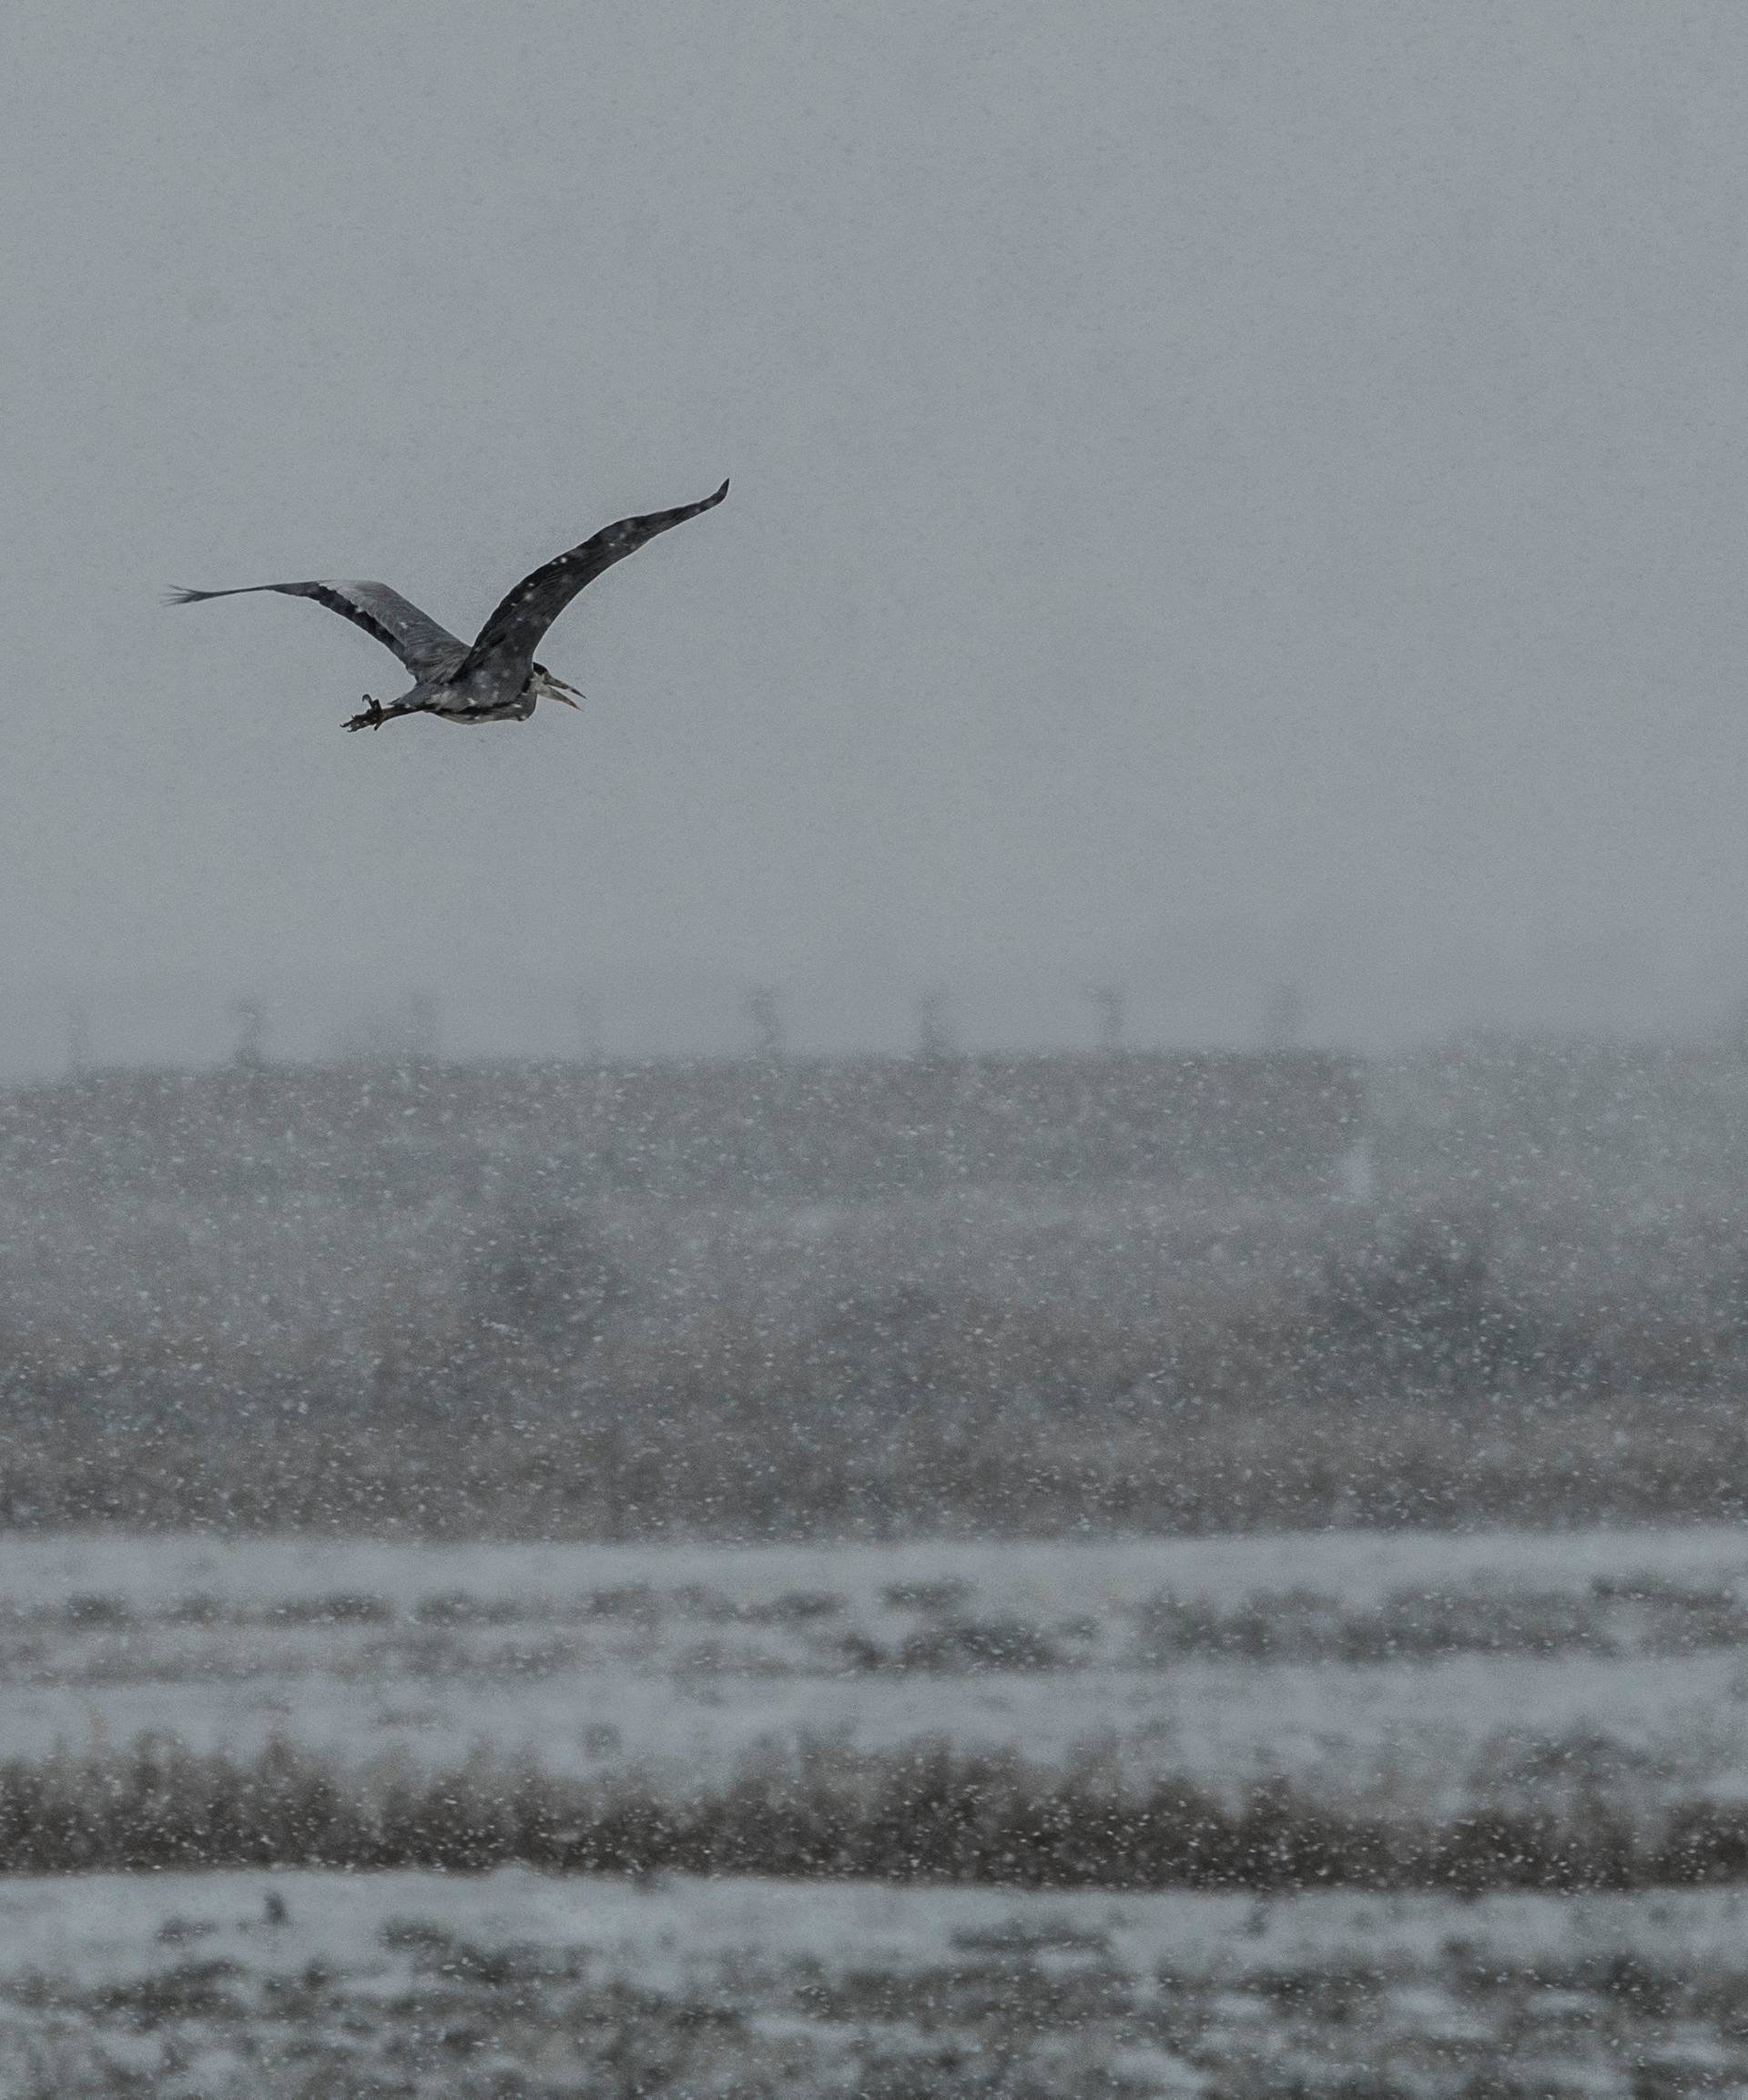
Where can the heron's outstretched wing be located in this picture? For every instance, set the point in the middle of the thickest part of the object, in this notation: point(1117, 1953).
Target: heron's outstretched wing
point(427, 650)
point(515, 628)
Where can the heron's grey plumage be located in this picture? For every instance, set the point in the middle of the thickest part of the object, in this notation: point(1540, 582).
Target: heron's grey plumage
point(428, 650)
point(496, 679)
point(514, 631)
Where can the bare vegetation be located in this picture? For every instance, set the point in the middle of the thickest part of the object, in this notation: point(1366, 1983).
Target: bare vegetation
point(722, 1444)
point(927, 1813)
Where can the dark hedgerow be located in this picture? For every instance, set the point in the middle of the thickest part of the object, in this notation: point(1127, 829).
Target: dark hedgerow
point(928, 1814)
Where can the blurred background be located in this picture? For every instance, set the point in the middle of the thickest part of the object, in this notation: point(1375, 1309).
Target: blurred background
point(1170, 858)
point(1224, 499)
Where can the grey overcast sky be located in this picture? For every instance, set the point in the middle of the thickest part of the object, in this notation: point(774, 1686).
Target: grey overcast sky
point(1224, 496)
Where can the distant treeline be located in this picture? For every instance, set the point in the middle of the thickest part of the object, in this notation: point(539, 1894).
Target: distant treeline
point(623, 1301)
point(803, 1130)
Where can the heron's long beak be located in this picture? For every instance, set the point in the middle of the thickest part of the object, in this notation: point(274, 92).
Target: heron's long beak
point(553, 692)
point(556, 689)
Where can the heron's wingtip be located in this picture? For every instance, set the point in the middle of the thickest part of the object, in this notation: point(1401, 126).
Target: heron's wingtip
point(177, 595)
point(720, 493)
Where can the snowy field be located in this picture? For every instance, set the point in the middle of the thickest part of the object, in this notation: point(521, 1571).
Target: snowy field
point(262, 1985)
point(1417, 1670)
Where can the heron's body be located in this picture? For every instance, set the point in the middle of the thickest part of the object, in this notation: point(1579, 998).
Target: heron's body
point(482, 696)
point(495, 677)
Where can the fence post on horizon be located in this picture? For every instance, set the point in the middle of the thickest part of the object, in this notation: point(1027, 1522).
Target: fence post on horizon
point(588, 1026)
point(78, 1037)
point(935, 1043)
point(251, 1017)
point(424, 1027)
point(765, 1015)
point(1112, 1008)
point(1284, 1018)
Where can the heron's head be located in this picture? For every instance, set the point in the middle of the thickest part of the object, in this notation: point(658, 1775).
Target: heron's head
point(547, 688)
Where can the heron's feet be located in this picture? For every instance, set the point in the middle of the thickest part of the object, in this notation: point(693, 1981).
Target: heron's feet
point(373, 716)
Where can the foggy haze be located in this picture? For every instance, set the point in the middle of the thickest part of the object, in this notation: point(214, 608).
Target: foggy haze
point(1224, 498)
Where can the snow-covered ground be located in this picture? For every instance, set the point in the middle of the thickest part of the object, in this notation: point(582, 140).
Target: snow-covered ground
point(152, 1574)
point(267, 1984)
point(1416, 1668)
point(681, 1660)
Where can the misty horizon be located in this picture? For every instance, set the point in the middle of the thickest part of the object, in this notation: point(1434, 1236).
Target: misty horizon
point(49, 1026)
point(1221, 500)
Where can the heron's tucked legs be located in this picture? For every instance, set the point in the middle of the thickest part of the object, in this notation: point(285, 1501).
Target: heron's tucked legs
point(375, 715)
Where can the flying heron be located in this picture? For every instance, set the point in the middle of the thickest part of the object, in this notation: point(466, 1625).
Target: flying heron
point(496, 679)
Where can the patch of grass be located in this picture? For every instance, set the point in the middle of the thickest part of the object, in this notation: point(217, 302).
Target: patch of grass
point(794, 1607)
point(1612, 1617)
point(190, 1990)
point(455, 1607)
point(639, 1600)
point(948, 1595)
point(980, 1644)
point(954, 1646)
point(91, 1612)
point(344, 1609)
point(1028, 1935)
